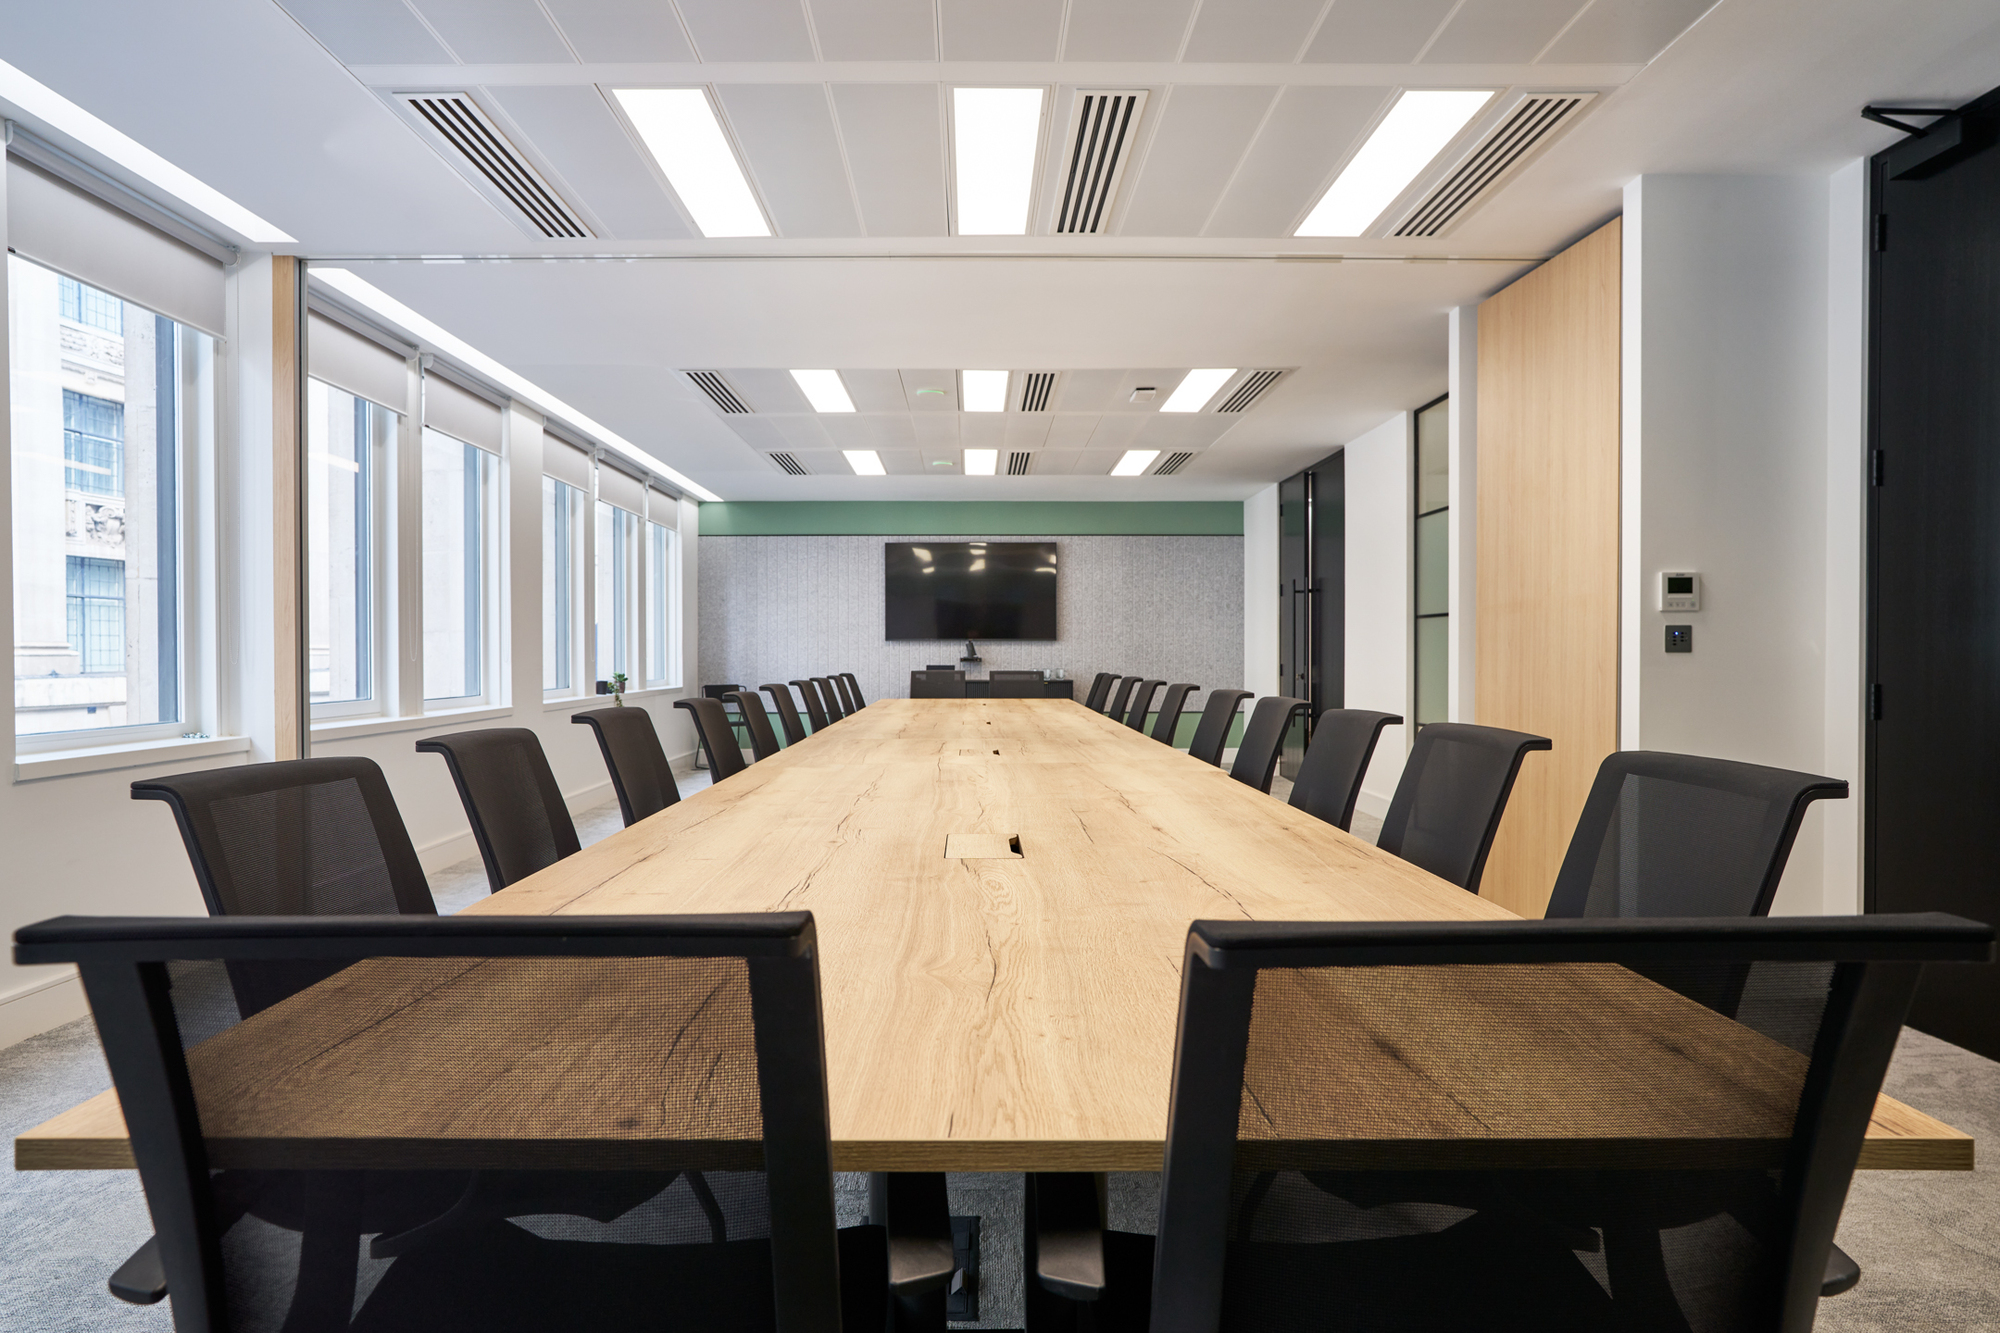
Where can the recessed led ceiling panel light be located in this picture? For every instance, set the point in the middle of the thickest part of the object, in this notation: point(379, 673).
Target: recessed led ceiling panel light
point(984, 390)
point(994, 135)
point(1135, 462)
point(982, 462)
point(679, 128)
point(1195, 390)
point(824, 390)
point(865, 462)
point(1414, 132)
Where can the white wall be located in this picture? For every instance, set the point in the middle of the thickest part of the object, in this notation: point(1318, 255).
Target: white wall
point(1380, 529)
point(1260, 592)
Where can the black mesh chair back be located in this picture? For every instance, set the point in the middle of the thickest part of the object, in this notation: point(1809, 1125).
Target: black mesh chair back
point(830, 698)
point(847, 705)
point(1257, 756)
point(711, 723)
point(1329, 780)
point(763, 740)
point(937, 684)
point(1172, 704)
point(1622, 1172)
point(788, 712)
point(305, 837)
point(535, 1122)
point(1016, 685)
point(518, 815)
point(854, 690)
point(1120, 698)
point(1218, 716)
point(1142, 704)
point(1100, 690)
point(815, 709)
point(640, 773)
point(1450, 798)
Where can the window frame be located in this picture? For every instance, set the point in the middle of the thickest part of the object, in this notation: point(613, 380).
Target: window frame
point(382, 589)
point(572, 652)
point(486, 604)
point(663, 616)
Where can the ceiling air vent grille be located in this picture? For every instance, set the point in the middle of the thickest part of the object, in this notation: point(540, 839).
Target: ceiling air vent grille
point(788, 463)
point(456, 120)
point(718, 392)
point(1525, 130)
point(1035, 388)
point(1018, 462)
point(1102, 129)
point(1250, 390)
point(1175, 462)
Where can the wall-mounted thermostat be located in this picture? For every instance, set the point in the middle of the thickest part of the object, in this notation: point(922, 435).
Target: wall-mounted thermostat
point(1680, 591)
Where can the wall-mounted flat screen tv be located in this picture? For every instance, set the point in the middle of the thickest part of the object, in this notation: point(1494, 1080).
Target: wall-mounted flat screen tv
point(970, 590)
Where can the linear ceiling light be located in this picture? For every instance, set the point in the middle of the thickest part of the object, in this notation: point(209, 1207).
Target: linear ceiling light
point(865, 462)
point(1195, 390)
point(371, 297)
point(984, 390)
point(994, 135)
point(982, 462)
point(681, 131)
point(824, 390)
point(66, 117)
point(1135, 462)
point(1413, 133)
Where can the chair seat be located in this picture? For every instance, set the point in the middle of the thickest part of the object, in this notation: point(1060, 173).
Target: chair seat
point(499, 1278)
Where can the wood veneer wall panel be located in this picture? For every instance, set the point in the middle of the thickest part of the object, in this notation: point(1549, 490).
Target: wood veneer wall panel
point(1547, 621)
point(288, 626)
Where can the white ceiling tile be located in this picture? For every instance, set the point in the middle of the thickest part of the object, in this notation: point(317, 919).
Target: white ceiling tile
point(1086, 391)
point(1070, 431)
point(875, 29)
point(622, 30)
point(1125, 29)
point(757, 432)
point(748, 29)
point(982, 430)
point(1310, 130)
point(497, 32)
point(1252, 30)
point(368, 32)
point(901, 463)
point(940, 462)
point(804, 432)
point(1500, 31)
point(1376, 32)
point(1116, 432)
point(1013, 30)
point(935, 430)
point(1182, 430)
point(786, 132)
point(577, 135)
point(1054, 462)
point(874, 390)
point(768, 391)
point(1202, 134)
point(1119, 396)
point(892, 432)
point(1096, 462)
point(914, 381)
point(894, 134)
point(855, 431)
point(1027, 430)
point(1622, 32)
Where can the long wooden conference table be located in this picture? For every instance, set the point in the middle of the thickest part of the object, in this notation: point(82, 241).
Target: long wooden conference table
point(1002, 890)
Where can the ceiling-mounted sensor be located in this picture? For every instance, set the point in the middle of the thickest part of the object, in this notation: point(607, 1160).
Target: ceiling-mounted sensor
point(1145, 393)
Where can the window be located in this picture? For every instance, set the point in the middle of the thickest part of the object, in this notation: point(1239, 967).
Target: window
point(104, 401)
point(348, 441)
point(458, 527)
point(617, 591)
point(1432, 584)
point(663, 609)
point(561, 505)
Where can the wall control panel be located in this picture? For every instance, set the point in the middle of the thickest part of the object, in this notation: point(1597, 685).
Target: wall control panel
point(1680, 590)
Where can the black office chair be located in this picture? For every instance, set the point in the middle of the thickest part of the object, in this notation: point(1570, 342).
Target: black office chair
point(1211, 734)
point(725, 756)
point(1120, 697)
point(640, 773)
point(763, 741)
point(737, 1224)
point(848, 707)
point(1329, 780)
point(788, 713)
point(1450, 798)
point(719, 693)
point(1264, 736)
point(854, 690)
point(1172, 704)
point(1016, 685)
point(937, 684)
point(518, 815)
point(1100, 690)
point(815, 709)
point(1294, 1036)
point(830, 697)
point(1142, 704)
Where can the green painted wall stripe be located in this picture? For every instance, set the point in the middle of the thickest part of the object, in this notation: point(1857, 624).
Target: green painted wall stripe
point(973, 518)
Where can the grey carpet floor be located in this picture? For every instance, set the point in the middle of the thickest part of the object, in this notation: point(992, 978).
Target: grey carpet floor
point(1928, 1242)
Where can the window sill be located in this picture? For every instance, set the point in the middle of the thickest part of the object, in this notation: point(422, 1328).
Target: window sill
point(382, 726)
point(579, 701)
point(136, 754)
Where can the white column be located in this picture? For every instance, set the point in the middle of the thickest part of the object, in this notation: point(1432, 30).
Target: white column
point(1260, 592)
point(41, 631)
point(521, 668)
point(1846, 527)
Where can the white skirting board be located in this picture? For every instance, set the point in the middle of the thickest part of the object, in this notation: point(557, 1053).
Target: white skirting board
point(41, 1005)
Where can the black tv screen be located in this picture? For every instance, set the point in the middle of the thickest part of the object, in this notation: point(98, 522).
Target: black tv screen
point(970, 590)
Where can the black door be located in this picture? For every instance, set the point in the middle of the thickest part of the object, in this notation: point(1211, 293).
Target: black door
point(1933, 780)
point(1312, 608)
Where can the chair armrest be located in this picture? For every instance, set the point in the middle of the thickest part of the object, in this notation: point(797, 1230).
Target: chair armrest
point(142, 1279)
point(1066, 1218)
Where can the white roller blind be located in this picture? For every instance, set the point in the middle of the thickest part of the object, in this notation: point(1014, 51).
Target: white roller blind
point(621, 489)
point(565, 462)
point(58, 225)
point(663, 509)
point(359, 365)
point(461, 413)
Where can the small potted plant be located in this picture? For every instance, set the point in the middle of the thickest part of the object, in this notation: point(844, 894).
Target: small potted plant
point(617, 689)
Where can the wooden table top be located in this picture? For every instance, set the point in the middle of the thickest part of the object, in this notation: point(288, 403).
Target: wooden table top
point(1002, 890)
